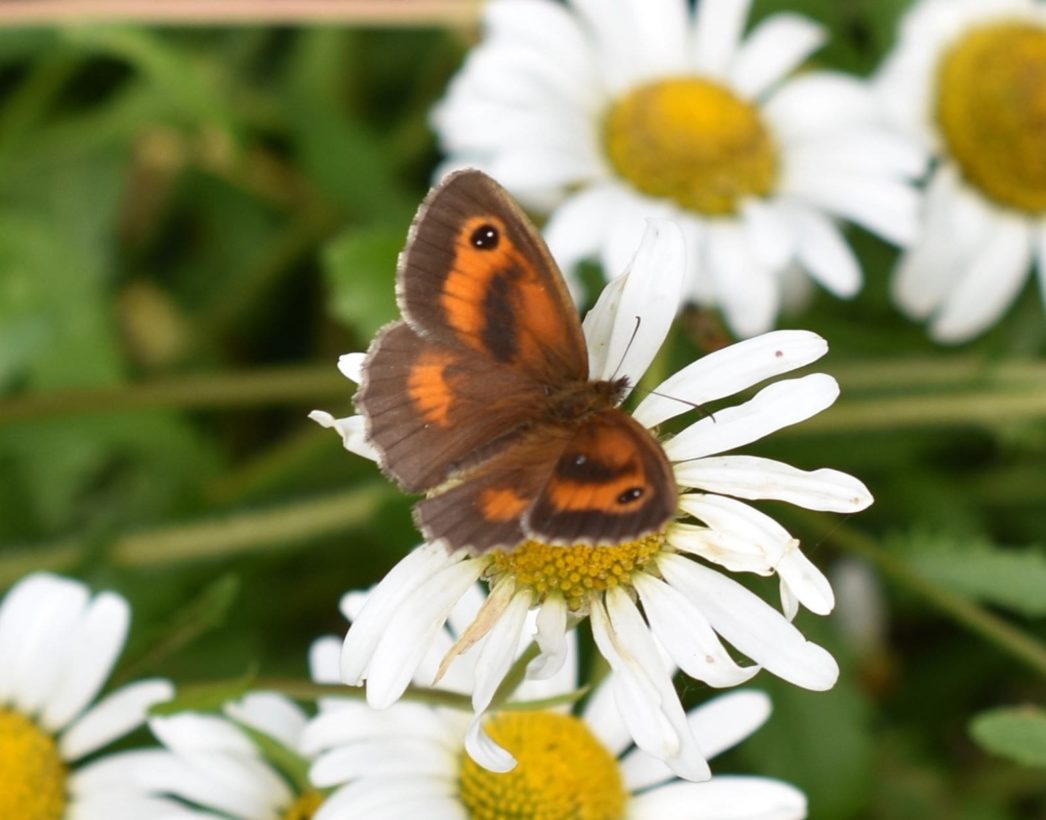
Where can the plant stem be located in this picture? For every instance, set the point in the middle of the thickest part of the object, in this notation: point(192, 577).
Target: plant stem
point(968, 613)
point(514, 677)
point(284, 385)
point(984, 407)
point(936, 372)
point(214, 538)
point(407, 13)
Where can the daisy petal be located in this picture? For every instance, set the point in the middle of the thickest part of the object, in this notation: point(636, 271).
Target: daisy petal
point(822, 251)
point(604, 719)
point(751, 625)
point(406, 636)
point(990, 283)
point(643, 688)
point(272, 714)
point(886, 207)
point(482, 748)
point(778, 405)
point(768, 232)
point(779, 551)
point(730, 370)
point(351, 366)
point(40, 660)
point(131, 807)
point(370, 797)
point(96, 643)
point(575, 230)
point(551, 637)
point(728, 797)
point(773, 48)
point(755, 478)
point(646, 304)
point(398, 588)
point(113, 717)
point(956, 220)
point(686, 635)
point(384, 757)
point(499, 649)
point(324, 659)
point(819, 103)
point(352, 431)
point(725, 721)
point(717, 33)
point(721, 723)
point(749, 294)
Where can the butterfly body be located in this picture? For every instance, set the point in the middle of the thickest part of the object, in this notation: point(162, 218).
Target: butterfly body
point(480, 397)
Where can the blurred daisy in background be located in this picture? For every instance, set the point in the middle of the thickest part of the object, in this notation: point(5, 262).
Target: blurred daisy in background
point(410, 761)
point(967, 82)
point(603, 114)
point(653, 607)
point(58, 646)
point(246, 765)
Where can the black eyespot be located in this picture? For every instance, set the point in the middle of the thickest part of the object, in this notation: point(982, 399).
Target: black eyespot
point(630, 495)
point(485, 237)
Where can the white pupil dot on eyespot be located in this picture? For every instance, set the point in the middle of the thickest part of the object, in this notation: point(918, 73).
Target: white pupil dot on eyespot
point(579, 460)
point(485, 237)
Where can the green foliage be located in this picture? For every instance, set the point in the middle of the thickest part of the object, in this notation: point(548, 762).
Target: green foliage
point(1012, 578)
point(1018, 733)
point(185, 206)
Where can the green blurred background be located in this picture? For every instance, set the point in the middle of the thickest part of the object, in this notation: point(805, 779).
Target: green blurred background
point(195, 223)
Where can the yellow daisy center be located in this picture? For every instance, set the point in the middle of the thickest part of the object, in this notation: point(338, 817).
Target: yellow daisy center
point(991, 108)
point(307, 804)
point(32, 774)
point(563, 772)
point(574, 572)
point(692, 141)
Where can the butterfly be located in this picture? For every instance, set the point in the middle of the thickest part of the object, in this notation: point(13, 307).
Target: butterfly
point(480, 397)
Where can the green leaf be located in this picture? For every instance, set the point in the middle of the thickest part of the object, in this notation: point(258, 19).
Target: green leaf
point(186, 82)
point(290, 763)
point(820, 741)
point(1008, 577)
point(207, 611)
point(361, 273)
point(208, 697)
point(1017, 732)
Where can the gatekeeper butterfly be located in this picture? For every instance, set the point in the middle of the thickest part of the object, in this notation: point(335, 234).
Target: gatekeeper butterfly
point(480, 396)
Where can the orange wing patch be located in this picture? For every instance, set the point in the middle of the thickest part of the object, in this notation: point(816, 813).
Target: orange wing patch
point(428, 388)
point(502, 504)
point(495, 300)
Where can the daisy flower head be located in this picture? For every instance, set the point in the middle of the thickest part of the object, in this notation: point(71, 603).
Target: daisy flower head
point(657, 602)
point(245, 765)
point(966, 80)
point(414, 760)
point(58, 645)
point(602, 114)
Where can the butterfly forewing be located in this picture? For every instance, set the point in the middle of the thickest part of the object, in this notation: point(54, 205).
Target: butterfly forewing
point(433, 409)
point(475, 271)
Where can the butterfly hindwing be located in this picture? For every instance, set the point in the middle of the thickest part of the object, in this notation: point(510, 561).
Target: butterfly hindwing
point(610, 483)
point(486, 509)
point(476, 272)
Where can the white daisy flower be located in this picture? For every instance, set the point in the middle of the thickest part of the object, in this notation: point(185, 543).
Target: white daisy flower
point(58, 645)
point(410, 761)
point(655, 602)
point(215, 768)
point(967, 81)
point(607, 113)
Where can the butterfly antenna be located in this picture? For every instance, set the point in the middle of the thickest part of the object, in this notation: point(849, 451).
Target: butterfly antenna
point(700, 409)
point(628, 347)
